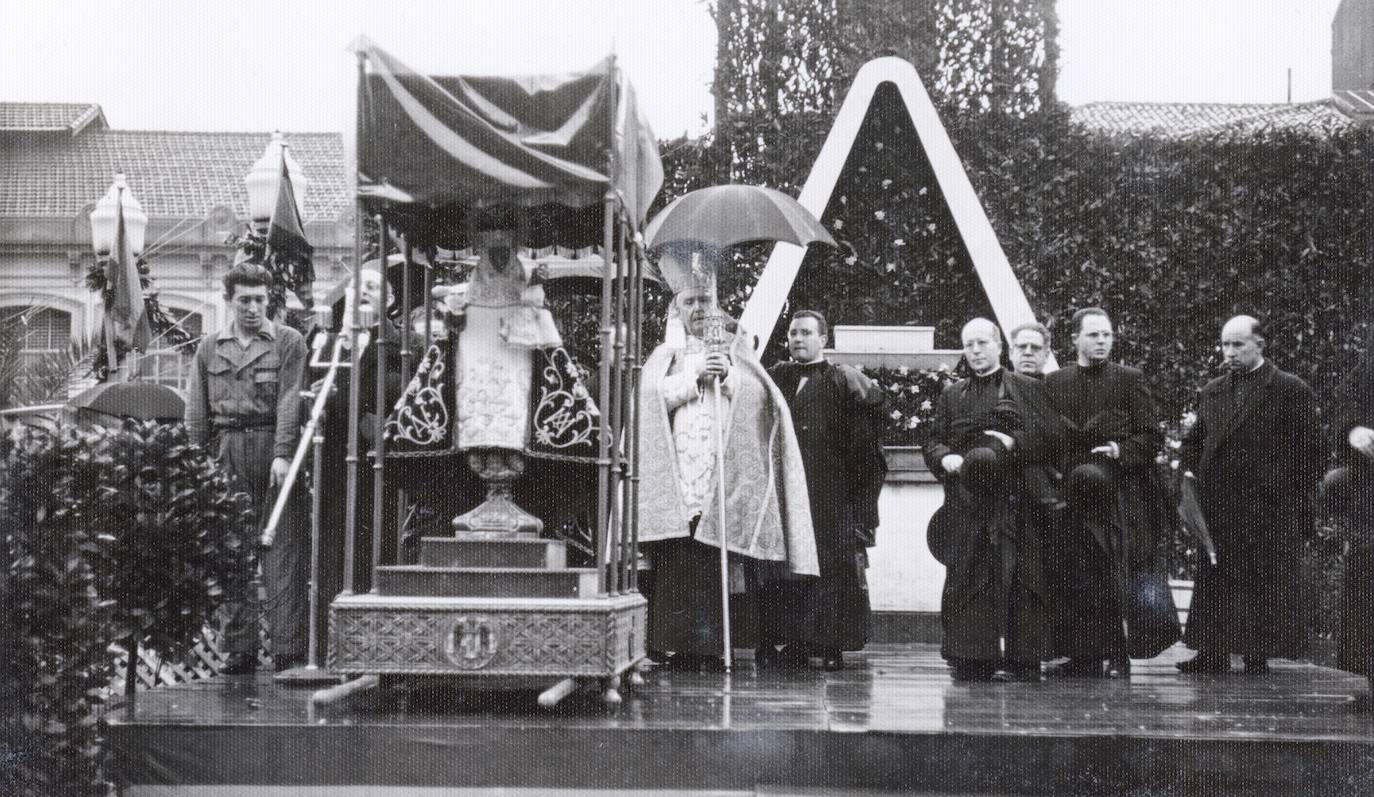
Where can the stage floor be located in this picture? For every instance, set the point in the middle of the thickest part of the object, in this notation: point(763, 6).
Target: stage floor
point(891, 721)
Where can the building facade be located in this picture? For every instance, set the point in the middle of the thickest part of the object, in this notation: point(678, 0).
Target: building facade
point(58, 159)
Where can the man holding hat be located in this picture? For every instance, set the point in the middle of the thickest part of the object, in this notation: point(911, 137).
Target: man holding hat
point(767, 520)
point(993, 607)
point(1349, 489)
point(1116, 506)
point(1257, 452)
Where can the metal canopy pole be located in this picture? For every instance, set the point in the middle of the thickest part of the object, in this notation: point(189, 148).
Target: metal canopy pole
point(402, 494)
point(379, 411)
point(636, 333)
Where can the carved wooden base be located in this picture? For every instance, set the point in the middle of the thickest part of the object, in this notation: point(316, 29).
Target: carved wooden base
point(598, 637)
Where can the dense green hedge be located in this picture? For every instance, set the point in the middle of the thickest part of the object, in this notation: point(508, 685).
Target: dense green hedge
point(127, 536)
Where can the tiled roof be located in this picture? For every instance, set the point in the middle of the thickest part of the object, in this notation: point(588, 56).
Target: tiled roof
point(47, 116)
point(173, 174)
point(1188, 120)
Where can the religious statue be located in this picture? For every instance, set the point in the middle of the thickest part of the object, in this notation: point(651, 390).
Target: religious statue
point(500, 387)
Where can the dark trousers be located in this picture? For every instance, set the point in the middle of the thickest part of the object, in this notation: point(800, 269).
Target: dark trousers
point(246, 455)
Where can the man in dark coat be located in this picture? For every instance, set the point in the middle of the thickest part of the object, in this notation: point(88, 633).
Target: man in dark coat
point(837, 414)
point(1257, 453)
point(1351, 489)
point(992, 608)
point(1116, 511)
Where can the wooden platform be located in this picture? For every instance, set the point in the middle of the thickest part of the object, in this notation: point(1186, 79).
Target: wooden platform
point(891, 722)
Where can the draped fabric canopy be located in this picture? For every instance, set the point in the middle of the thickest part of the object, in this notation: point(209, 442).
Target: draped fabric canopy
point(433, 148)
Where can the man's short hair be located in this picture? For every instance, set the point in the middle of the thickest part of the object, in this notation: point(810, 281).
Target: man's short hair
point(1084, 313)
point(821, 325)
point(1033, 326)
point(1257, 328)
point(246, 275)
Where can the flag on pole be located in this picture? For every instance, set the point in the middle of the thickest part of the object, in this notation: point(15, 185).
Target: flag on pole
point(126, 310)
point(287, 244)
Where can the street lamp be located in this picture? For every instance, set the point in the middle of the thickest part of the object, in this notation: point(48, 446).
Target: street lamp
point(105, 219)
point(264, 180)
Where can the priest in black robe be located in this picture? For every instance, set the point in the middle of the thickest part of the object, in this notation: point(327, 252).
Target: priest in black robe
point(992, 608)
point(1350, 490)
point(1257, 453)
point(1110, 540)
point(837, 414)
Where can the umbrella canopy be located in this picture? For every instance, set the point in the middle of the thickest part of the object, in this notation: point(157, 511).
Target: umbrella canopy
point(145, 401)
point(725, 215)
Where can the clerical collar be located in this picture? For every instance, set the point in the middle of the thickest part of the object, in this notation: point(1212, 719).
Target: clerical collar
point(994, 374)
point(1093, 368)
point(1238, 376)
point(811, 367)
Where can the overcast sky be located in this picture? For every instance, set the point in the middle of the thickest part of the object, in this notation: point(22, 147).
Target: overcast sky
point(282, 64)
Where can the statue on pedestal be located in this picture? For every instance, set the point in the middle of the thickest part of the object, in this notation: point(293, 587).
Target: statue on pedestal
point(500, 388)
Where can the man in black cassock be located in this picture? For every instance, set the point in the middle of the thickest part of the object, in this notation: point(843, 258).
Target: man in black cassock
point(1350, 489)
point(837, 414)
point(1257, 452)
point(992, 608)
point(1117, 510)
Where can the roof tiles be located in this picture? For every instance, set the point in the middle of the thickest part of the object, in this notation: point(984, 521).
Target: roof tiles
point(1189, 120)
point(173, 174)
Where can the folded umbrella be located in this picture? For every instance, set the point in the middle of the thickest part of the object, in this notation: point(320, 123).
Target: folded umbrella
point(1190, 510)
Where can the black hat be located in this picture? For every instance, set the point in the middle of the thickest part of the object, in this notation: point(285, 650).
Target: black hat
point(981, 468)
point(1091, 485)
point(1339, 490)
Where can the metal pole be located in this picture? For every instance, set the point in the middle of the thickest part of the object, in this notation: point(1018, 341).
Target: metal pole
point(623, 401)
point(354, 399)
point(614, 556)
point(379, 412)
point(726, 651)
point(603, 395)
point(636, 367)
point(402, 494)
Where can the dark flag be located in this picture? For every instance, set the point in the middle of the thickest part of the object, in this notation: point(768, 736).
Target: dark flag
point(287, 244)
point(127, 313)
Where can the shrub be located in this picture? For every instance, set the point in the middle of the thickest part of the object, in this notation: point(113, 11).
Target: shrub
point(126, 536)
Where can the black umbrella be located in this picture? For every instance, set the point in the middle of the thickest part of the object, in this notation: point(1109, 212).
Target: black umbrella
point(144, 401)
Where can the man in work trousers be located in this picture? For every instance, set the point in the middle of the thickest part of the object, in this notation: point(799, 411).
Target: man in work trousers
point(837, 415)
point(243, 404)
point(1258, 453)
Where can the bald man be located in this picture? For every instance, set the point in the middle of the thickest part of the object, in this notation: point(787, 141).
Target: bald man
point(993, 608)
point(1257, 453)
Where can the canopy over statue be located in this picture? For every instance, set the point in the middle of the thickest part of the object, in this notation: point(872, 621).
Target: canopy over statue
point(443, 144)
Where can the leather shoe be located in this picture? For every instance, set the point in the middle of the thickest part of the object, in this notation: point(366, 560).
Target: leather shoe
point(1256, 665)
point(287, 661)
point(1078, 668)
point(1206, 664)
point(1020, 672)
point(766, 655)
point(969, 670)
point(794, 655)
point(239, 664)
point(1119, 668)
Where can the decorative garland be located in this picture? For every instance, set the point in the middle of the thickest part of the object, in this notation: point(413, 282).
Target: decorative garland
point(163, 327)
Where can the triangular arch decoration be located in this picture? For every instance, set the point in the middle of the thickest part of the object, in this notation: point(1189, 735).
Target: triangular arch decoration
point(994, 271)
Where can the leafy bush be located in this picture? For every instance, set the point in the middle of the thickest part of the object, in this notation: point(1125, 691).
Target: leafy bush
point(54, 623)
point(126, 536)
point(180, 537)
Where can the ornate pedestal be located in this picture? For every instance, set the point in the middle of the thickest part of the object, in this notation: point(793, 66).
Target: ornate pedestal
point(494, 612)
point(497, 516)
